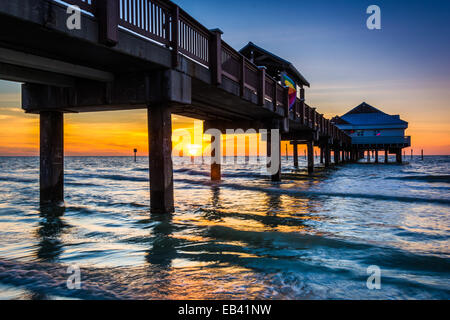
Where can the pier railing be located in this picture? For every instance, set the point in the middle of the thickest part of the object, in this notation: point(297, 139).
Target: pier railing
point(164, 22)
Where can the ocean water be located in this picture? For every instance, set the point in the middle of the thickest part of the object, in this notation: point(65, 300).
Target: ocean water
point(244, 238)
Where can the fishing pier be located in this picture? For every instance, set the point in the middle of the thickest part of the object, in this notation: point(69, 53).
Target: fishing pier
point(148, 54)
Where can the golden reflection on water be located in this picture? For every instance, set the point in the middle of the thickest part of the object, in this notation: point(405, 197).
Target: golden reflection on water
point(222, 242)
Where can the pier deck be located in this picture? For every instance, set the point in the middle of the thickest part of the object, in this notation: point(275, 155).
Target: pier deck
point(145, 54)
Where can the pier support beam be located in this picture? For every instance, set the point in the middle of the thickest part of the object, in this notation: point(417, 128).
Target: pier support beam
point(276, 177)
point(376, 156)
point(295, 144)
point(368, 156)
point(160, 158)
point(321, 155)
point(386, 156)
point(51, 157)
point(310, 148)
point(216, 174)
point(399, 156)
point(336, 156)
point(327, 152)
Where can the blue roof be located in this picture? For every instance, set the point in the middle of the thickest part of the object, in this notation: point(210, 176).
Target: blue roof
point(365, 114)
point(372, 118)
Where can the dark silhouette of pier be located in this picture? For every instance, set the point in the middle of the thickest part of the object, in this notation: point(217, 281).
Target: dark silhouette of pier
point(150, 55)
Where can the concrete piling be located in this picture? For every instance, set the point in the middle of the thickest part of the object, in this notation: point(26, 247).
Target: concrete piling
point(160, 158)
point(51, 157)
point(276, 177)
point(310, 148)
point(216, 174)
point(295, 145)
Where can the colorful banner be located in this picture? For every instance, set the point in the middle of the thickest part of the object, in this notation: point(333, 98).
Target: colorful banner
point(288, 82)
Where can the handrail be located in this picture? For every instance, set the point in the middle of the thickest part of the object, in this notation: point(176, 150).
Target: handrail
point(166, 23)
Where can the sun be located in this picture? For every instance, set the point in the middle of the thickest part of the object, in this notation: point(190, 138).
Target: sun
point(193, 149)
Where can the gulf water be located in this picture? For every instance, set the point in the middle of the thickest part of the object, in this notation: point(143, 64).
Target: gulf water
point(243, 238)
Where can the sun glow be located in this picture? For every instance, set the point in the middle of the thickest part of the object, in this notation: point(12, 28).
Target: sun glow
point(194, 149)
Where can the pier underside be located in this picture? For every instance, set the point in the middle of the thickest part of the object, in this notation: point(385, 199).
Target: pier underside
point(109, 65)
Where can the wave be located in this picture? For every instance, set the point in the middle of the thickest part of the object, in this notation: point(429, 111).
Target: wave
point(364, 253)
point(115, 177)
point(50, 279)
point(308, 194)
point(19, 180)
point(426, 178)
point(243, 174)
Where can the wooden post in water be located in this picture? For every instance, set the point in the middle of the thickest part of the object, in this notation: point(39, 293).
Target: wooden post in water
point(51, 157)
point(216, 174)
point(386, 155)
point(275, 176)
point(399, 156)
point(247, 149)
point(412, 154)
point(321, 154)
point(310, 148)
point(376, 156)
point(327, 155)
point(135, 152)
point(160, 158)
point(287, 156)
point(422, 154)
point(368, 156)
point(295, 145)
point(336, 156)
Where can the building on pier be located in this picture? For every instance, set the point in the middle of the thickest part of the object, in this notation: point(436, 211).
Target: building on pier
point(373, 130)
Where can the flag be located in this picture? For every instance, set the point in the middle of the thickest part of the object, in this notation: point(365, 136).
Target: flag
point(288, 82)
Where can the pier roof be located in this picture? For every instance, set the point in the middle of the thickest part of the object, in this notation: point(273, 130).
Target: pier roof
point(272, 62)
point(365, 114)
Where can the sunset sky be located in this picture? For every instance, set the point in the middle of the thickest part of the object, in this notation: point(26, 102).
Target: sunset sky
point(402, 69)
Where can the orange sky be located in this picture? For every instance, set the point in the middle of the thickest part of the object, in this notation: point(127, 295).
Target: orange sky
point(118, 133)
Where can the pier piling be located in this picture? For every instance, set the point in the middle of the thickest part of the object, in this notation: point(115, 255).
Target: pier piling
point(336, 156)
point(160, 158)
point(310, 148)
point(216, 174)
point(276, 177)
point(399, 156)
point(295, 145)
point(327, 156)
point(51, 157)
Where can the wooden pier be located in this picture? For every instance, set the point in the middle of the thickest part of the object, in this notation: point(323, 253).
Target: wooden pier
point(150, 55)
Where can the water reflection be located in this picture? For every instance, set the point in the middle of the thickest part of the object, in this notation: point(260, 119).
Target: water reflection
point(215, 189)
point(49, 231)
point(274, 205)
point(163, 249)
